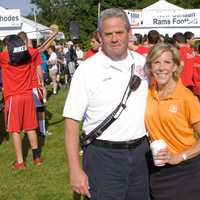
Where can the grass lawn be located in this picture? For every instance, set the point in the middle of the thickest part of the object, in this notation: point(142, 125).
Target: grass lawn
point(48, 181)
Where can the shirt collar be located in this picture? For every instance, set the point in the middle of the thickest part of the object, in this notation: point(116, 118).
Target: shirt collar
point(122, 65)
point(174, 95)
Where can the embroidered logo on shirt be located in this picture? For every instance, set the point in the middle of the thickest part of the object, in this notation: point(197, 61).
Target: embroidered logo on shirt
point(173, 109)
point(139, 70)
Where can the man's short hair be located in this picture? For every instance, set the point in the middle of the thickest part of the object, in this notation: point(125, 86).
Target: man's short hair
point(188, 35)
point(113, 12)
point(179, 37)
point(153, 37)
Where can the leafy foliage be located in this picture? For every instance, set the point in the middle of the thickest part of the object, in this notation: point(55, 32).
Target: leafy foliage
point(85, 12)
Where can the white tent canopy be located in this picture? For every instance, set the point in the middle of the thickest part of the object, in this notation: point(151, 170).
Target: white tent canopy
point(17, 23)
point(33, 29)
point(166, 18)
point(162, 5)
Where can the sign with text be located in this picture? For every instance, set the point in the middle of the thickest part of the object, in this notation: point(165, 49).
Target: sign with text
point(135, 17)
point(10, 18)
point(166, 18)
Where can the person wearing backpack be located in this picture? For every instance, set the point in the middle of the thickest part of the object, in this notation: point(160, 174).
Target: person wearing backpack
point(17, 62)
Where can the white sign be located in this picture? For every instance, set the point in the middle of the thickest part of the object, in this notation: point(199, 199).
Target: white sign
point(173, 18)
point(179, 18)
point(10, 18)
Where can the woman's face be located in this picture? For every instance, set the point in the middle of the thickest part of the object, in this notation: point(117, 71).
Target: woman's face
point(162, 69)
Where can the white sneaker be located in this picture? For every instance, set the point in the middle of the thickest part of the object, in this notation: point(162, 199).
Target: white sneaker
point(48, 133)
point(81, 152)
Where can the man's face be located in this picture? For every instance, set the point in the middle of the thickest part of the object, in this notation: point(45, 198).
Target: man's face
point(49, 51)
point(131, 45)
point(30, 43)
point(114, 38)
point(94, 44)
point(191, 41)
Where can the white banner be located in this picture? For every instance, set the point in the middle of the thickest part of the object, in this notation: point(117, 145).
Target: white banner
point(10, 18)
point(176, 18)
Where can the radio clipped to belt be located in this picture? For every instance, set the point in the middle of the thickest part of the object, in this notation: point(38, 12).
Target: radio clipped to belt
point(133, 84)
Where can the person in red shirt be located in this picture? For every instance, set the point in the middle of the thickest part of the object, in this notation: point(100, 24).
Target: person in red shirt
point(135, 44)
point(196, 74)
point(17, 62)
point(187, 55)
point(189, 39)
point(37, 83)
point(153, 38)
point(141, 49)
point(38, 86)
point(95, 45)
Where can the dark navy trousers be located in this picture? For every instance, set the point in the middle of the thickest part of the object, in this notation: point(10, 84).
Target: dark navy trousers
point(117, 174)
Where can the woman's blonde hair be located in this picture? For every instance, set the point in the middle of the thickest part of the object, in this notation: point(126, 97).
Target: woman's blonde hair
point(157, 50)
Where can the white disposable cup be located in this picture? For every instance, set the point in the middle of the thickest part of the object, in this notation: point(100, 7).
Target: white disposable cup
point(155, 147)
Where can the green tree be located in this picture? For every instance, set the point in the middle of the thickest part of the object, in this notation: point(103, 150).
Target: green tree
point(187, 4)
point(62, 12)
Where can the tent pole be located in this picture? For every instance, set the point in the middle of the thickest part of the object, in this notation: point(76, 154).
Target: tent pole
point(36, 27)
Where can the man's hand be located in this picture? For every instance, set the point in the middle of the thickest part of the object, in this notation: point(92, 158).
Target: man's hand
point(79, 182)
point(78, 178)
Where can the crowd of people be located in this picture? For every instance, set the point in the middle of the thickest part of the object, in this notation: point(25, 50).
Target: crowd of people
point(184, 42)
point(129, 90)
point(27, 69)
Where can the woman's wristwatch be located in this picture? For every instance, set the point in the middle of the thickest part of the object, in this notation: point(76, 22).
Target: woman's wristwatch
point(184, 156)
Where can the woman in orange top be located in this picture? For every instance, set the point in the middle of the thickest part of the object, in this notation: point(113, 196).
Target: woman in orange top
point(172, 114)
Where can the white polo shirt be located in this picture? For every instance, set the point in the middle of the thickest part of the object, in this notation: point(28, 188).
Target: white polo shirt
point(53, 58)
point(97, 88)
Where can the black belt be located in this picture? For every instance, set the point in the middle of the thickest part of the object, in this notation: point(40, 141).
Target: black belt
point(131, 144)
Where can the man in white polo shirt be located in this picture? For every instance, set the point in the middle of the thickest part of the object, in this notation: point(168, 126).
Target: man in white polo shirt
point(114, 164)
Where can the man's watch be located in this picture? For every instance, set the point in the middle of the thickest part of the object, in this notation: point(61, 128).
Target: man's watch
point(184, 156)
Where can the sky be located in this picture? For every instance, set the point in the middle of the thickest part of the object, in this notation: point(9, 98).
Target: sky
point(24, 5)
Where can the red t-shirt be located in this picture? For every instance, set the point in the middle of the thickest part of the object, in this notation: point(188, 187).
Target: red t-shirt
point(16, 80)
point(187, 56)
point(196, 75)
point(142, 50)
point(37, 60)
point(89, 53)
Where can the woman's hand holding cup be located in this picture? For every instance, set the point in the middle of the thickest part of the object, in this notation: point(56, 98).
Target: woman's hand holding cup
point(159, 152)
